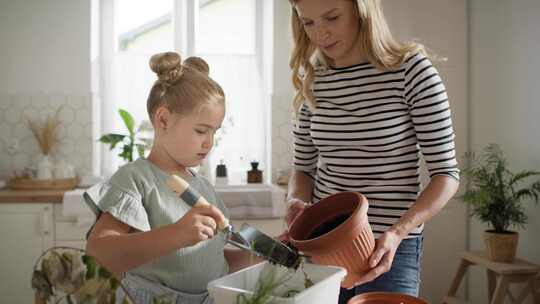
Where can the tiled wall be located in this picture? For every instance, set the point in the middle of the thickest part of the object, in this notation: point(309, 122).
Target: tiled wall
point(75, 131)
point(281, 134)
point(19, 148)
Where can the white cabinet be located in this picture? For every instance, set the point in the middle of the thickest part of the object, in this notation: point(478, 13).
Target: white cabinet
point(69, 230)
point(26, 230)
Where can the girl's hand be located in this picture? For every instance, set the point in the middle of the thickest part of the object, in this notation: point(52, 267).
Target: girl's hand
point(294, 209)
point(382, 257)
point(198, 224)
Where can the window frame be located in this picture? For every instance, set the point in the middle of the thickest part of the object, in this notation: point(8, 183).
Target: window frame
point(184, 20)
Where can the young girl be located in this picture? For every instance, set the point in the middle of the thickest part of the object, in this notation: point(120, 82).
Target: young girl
point(368, 106)
point(145, 234)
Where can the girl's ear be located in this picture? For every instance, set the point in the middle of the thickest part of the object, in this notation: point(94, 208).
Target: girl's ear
point(162, 118)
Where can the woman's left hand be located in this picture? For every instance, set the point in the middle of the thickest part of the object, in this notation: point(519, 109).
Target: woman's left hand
point(382, 257)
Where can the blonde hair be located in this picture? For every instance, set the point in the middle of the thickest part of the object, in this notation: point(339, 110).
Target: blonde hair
point(377, 43)
point(181, 87)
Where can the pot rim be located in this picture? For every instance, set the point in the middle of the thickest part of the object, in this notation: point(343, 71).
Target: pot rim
point(346, 228)
point(381, 295)
point(506, 232)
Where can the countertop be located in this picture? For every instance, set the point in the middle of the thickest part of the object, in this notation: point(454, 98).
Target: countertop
point(26, 196)
point(36, 196)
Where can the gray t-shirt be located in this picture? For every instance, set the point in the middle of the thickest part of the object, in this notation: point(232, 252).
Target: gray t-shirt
point(137, 195)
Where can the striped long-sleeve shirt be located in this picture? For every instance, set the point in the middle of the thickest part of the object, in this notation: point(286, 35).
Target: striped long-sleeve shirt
point(367, 132)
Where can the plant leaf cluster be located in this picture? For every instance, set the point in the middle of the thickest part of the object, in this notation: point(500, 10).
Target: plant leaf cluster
point(68, 275)
point(496, 193)
point(131, 143)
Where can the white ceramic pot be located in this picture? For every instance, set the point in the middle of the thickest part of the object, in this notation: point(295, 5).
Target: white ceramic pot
point(325, 289)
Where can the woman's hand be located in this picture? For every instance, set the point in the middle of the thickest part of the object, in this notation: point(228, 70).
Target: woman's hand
point(382, 257)
point(198, 224)
point(294, 209)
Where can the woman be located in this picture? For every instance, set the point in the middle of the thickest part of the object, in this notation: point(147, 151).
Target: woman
point(367, 106)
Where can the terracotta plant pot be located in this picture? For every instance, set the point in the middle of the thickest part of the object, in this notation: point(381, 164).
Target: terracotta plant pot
point(501, 247)
point(335, 231)
point(385, 298)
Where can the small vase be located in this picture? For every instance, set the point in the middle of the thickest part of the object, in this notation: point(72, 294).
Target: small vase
point(335, 231)
point(386, 298)
point(254, 175)
point(45, 167)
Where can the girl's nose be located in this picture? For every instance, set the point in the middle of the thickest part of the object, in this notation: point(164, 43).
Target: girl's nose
point(208, 141)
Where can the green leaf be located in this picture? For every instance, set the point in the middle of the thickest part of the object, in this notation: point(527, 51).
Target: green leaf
point(112, 139)
point(103, 273)
point(522, 175)
point(140, 149)
point(91, 266)
point(127, 153)
point(128, 121)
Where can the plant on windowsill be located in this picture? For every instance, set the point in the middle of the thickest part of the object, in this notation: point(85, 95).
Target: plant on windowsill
point(134, 141)
point(497, 200)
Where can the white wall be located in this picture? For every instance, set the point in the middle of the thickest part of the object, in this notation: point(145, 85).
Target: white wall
point(282, 90)
point(505, 103)
point(45, 46)
point(45, 63)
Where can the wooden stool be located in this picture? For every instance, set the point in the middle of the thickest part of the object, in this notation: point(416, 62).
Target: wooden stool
point(505, 273)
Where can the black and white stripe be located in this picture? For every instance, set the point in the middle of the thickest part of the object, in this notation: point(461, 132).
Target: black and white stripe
point(368, 131)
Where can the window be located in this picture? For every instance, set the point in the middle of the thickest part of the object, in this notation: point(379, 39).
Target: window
point(226, 33)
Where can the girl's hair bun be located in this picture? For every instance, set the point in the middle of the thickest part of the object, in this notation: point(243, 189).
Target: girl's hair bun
point(197, 63)
point(167, 66)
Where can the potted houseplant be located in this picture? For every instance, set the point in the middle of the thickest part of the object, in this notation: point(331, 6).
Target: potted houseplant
point(496, 195)
point(68, 275)
point(265, 283)
point(133, 141)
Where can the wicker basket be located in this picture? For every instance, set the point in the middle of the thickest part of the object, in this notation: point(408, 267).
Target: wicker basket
point(501, 247)
point(43, 184)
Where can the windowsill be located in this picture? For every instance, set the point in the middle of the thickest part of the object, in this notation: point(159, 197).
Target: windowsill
point(253, 200)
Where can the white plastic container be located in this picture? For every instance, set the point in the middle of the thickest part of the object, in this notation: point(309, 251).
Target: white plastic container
point(326, 279)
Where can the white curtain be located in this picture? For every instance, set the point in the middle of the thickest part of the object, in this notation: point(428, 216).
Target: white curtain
point(130, 80)
point(244, 140)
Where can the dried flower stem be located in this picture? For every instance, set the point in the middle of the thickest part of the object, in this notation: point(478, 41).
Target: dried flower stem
point(46, 134)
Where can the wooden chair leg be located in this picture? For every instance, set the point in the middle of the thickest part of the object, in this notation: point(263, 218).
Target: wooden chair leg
point(500, 291)
point(462, 269)
point(511, 297)
point(492, 281)
point(524, 293)
point(534, 285)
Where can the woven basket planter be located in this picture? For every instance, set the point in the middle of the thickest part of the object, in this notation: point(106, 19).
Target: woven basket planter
point(501, 247)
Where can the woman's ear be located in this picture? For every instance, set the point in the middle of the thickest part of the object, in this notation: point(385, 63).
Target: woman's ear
point(162, 118)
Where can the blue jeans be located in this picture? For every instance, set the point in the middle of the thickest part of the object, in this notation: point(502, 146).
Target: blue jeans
point(403, 277)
